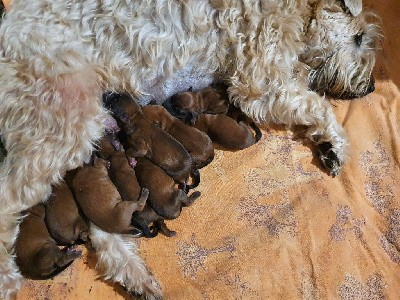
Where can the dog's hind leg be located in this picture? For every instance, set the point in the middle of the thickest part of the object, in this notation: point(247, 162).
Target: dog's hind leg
point(45, 133)
point(119, 262)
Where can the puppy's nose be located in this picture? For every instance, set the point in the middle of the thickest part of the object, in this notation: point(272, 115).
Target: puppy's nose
point(371, 87)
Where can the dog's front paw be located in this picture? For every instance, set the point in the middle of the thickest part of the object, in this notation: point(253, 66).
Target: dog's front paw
point(329, 158)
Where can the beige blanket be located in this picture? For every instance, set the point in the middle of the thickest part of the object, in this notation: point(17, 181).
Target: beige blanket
point(272, 225)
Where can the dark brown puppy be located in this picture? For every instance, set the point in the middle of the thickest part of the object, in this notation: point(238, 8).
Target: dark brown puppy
point(141, 138)
point(64, 221)
point(196, 142)
point(227, 132)
point(164, 197)
point(187, 105)
point(100, 200)
point(38, 256)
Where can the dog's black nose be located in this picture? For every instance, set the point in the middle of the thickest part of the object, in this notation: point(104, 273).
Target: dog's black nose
point(371, 87)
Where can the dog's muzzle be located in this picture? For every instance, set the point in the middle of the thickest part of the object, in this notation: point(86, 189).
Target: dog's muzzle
point(369, 90)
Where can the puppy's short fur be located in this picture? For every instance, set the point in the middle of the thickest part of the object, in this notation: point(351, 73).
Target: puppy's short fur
point(198, 144)
point(164, 197)
point(123, 177)
point(226, 131)
point(142, 138)
point(100, 200)
point(38, 255)
point(210, 100)
point(63, 218)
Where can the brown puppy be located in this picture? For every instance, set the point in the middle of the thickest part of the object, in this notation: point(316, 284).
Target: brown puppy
point(38, 256)
point(142, 138)
point(100, 200)
point(164, 197)
point(187, 105)
point(227, 132)
point(63, 219)
point(198, 144)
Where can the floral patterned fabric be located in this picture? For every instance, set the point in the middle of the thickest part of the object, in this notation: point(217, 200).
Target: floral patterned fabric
point(271, 224)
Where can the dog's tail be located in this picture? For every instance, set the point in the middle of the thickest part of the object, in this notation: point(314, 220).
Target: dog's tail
point(119, 262)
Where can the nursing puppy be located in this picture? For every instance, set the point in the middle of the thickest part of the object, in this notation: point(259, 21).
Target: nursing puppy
point(120, 169)
point(195, 142)
point(100, 200)
point(187, 105)
point(225, 131)
point(142, 138)
point(124, 178)
point(37, 253)
point(63, 218)
point(164, 197)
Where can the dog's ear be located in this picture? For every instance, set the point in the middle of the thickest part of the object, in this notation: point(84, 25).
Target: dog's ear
point(354, 6)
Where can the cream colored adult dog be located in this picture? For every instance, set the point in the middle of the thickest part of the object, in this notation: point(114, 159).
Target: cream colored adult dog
point(58, 56)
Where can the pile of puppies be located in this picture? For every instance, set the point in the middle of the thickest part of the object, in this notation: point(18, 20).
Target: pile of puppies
point(140, 175)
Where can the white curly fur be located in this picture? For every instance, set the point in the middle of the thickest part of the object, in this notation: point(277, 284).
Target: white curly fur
point(119, 262)
point(57, 57)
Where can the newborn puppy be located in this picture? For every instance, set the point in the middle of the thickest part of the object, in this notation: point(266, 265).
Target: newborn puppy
point(198, 144)
point(142, 219)
point(100, 200)
point(164, 197)
point(227, 132)
point(63, 218)
point(142, 138)
point(187, 105)
point(124, 178)
point(38, 256)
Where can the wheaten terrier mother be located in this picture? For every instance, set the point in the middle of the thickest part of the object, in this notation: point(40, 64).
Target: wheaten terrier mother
point(58, 56)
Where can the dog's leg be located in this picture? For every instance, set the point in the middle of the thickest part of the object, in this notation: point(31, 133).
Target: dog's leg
point(308, 108)
point(119, 262)
point(10, 277)
point(299, 106)
point(47, 127)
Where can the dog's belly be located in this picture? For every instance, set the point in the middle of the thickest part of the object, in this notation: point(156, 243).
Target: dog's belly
point(160, 89)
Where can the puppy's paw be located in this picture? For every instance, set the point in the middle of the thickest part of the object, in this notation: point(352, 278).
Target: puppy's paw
point(329, 158)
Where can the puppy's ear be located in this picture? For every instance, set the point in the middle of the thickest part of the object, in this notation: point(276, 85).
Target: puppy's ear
point(354, 6)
